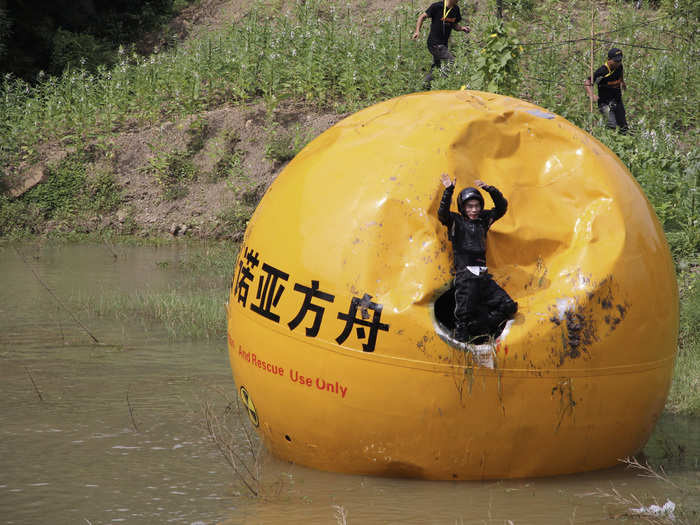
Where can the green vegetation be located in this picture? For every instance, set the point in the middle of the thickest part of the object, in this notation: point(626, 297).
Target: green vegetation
point(103, 193)
point(172, 170)
point(337, 59)
point(284, 145)
point(194, 309)
point(197, 135)
point(326, 54)
point(330, 62)
point(227, 157)
point(67, 196)
point(235, 218)
point(329, 55)
point(497, 68)
point(685, 389)
point(230, 166)
point(192, 314)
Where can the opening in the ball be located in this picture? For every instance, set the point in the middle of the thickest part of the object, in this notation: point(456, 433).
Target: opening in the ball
point(444, 312)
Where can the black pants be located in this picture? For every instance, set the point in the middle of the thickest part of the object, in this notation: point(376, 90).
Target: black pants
point(481, 306)
point(614, 113)
point(440, 52)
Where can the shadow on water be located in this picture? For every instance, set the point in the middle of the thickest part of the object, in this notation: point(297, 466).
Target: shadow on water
point(98, 434)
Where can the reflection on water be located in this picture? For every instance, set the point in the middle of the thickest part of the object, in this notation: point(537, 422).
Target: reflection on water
point(113, 433)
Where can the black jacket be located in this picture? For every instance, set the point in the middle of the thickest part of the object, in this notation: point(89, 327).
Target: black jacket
point(609, 84)
point(469, 237)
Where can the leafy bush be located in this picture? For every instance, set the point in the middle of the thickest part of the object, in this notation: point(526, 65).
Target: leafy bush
point(172, 170)
point(104, 194)
point(197, 135)
point(18, 217)
point(234, 219)
point(179, 170)
point(60, 196)
point(283, 145)
point(228, 160)
point(78, 51)
point(230, 166)
point(497, 67)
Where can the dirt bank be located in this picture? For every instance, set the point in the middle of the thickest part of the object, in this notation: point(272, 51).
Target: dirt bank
point(242, 130)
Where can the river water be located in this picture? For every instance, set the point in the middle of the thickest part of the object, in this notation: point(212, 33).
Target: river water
point(114, 432)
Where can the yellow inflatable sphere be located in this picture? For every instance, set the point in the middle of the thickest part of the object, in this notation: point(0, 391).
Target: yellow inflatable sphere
point(340, 316)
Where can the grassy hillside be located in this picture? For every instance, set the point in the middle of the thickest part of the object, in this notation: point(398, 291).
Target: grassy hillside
point(186, 140)
point(333, 59)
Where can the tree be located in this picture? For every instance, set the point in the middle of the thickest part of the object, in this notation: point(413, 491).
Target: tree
point(52, 34)
point(5, 28)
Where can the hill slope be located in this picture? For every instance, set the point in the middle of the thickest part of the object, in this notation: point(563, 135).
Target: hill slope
point(187, 139)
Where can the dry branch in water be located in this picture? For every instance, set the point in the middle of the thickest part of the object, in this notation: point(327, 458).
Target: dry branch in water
point(55, 297)
point(131, 411)
point(36, 388)
point(655, 513)
point(648, 471)
point(242, 453)
point(341, 514)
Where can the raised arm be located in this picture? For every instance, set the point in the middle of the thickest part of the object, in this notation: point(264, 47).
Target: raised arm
point(499, 201)
point(444, 210)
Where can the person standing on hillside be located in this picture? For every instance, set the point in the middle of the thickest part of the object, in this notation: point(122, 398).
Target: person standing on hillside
point(610, 81)
point(445, 16)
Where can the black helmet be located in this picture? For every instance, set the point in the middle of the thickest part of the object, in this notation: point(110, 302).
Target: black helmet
point(468, 194)
point(615, 54)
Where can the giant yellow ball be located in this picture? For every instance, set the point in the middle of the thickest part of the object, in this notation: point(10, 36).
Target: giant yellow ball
point(339, 318)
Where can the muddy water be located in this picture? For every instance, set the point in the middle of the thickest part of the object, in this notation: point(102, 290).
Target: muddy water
point(112, 433)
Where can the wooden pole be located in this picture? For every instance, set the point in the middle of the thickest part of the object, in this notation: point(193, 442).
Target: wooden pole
point(590, 99)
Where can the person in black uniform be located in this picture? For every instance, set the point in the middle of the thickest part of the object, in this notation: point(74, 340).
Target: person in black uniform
point(610, 81)
point(445, 16)
point(481, 305)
